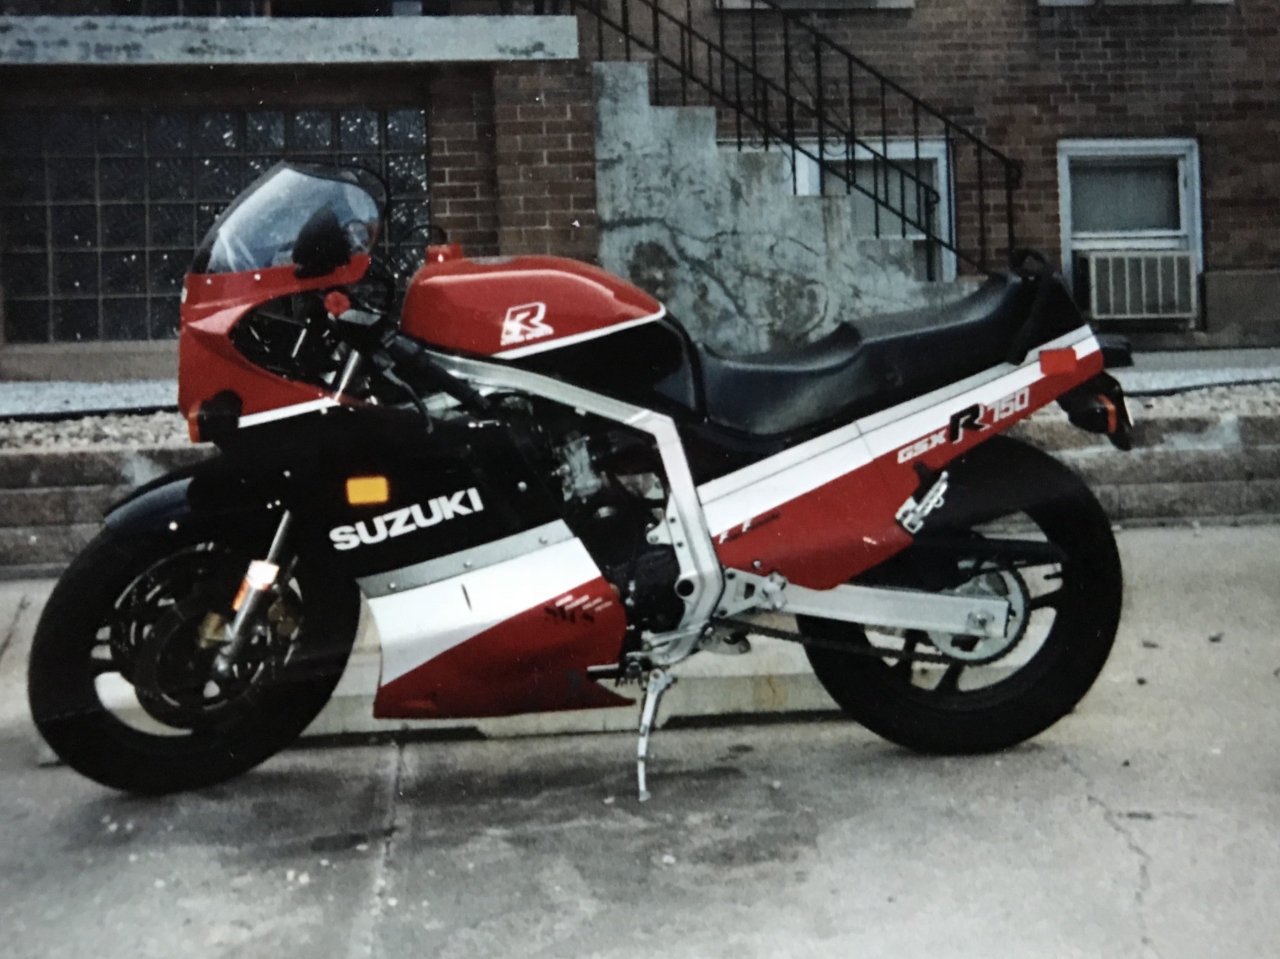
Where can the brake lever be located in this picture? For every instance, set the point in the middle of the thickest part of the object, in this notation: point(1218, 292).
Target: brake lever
point(383, 364)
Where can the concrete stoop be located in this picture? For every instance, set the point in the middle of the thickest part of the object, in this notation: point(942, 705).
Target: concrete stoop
point(1210, 467)
point(52, 501)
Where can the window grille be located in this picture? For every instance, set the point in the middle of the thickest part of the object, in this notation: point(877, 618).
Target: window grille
point(100, 213)
point(1124, 285)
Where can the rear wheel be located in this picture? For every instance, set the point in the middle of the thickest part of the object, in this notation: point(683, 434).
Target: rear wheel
point(1018, 525)
point(121, 678)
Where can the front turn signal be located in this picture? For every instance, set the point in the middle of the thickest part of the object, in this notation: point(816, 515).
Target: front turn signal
point(367, 490)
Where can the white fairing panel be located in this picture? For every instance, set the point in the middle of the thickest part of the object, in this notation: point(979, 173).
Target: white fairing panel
point(419, 624)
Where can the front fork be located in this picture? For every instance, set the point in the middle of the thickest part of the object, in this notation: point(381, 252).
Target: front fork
point(259, 580)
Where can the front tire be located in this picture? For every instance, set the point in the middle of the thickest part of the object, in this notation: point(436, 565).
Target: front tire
point(1063, 642)
point(129, 619)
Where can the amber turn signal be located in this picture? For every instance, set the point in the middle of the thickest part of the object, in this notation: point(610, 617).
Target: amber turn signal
point(367, 490)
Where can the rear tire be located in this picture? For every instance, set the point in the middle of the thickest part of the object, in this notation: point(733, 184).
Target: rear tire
point(995, 481)
point(105, 617)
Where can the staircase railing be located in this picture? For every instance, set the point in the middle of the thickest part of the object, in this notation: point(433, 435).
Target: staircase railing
point(781, 83)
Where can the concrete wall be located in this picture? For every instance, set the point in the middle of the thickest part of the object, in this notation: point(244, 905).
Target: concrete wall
point(718, 236)
point(256, 41)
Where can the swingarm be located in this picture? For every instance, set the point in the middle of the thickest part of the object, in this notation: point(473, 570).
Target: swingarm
point(983, 616)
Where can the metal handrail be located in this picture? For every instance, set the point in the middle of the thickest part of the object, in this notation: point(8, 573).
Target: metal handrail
point(823, 102)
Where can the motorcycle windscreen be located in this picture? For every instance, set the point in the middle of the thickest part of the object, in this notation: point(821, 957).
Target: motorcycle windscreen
point(497, 635)
point(281, 220)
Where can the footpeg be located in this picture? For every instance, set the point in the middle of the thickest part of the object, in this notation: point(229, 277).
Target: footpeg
point(912, 513)
point(659, 682)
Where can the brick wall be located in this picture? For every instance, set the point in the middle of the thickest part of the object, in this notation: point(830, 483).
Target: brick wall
point(545, 151)
point(464, 186)
point(513, 158)
point(1024, 76)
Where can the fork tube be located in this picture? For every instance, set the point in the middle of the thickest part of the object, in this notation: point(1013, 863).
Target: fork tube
point(237, 633)
point(349, 372)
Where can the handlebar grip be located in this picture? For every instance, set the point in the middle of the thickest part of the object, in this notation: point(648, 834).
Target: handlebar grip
point(410, 356)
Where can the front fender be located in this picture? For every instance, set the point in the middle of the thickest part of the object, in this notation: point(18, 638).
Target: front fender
point(204, 493)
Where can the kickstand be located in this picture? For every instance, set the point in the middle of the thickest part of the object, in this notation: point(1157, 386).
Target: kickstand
point(659, 681)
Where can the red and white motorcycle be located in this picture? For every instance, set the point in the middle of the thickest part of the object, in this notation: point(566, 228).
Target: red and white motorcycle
point(544, 489)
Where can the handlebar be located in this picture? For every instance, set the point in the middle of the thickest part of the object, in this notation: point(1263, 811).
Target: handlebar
point(401, 358)
point(409, 355)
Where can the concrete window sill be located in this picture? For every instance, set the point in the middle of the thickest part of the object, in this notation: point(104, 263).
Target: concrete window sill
point(822, 5)
point(1133, 3)
point(260, 41)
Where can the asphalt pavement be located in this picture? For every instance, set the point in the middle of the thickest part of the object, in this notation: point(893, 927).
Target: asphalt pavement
point(1143, 825)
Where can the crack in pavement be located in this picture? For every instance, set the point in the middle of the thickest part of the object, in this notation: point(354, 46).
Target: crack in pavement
point(23, 605)
point(1113, 819)
point(364, 925)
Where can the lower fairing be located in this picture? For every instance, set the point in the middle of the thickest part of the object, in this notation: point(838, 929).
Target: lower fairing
point(513, 636)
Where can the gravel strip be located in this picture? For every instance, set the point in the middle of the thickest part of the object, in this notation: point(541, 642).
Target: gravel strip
point(169, 429)
point(95, 432)
point(1252, 399)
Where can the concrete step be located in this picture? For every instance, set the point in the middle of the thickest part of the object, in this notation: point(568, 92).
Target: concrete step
point(1190, 501)
point(26, 469)
point(34, 550)
point(57, 505)
point(1101, 467)
point(1181, 468)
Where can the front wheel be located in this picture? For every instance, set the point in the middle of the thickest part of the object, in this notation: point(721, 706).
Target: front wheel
point(1017, 525)
point(121, 679)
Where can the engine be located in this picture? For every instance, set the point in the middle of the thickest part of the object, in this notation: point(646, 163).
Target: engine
point(615, 492)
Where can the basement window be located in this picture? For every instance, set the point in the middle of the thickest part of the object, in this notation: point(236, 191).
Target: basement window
point(1130, 221)
point(100, 212)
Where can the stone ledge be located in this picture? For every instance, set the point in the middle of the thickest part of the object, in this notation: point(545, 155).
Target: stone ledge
point(104, 362)
point(261, 41)
point(821, 5)
point(1133, 3)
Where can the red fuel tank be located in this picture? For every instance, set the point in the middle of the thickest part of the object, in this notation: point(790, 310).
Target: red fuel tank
point(511, 307)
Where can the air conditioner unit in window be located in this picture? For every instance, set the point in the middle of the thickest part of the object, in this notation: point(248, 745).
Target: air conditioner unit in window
point(1146, 285)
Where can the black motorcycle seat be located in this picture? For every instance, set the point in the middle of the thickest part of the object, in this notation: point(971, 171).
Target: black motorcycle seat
point(857, 370)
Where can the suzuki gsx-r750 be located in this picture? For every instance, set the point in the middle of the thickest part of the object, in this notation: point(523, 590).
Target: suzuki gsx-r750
point(546, 492)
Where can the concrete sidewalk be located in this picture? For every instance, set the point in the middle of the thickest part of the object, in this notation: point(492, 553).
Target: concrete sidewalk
point(1157, 373)
point(1146, 824)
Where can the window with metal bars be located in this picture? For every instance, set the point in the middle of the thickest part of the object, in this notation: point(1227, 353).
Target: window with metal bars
point(100, 213)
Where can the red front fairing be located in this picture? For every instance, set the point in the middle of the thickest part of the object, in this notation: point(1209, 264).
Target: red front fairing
point(496, 307)
point(208, 363)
